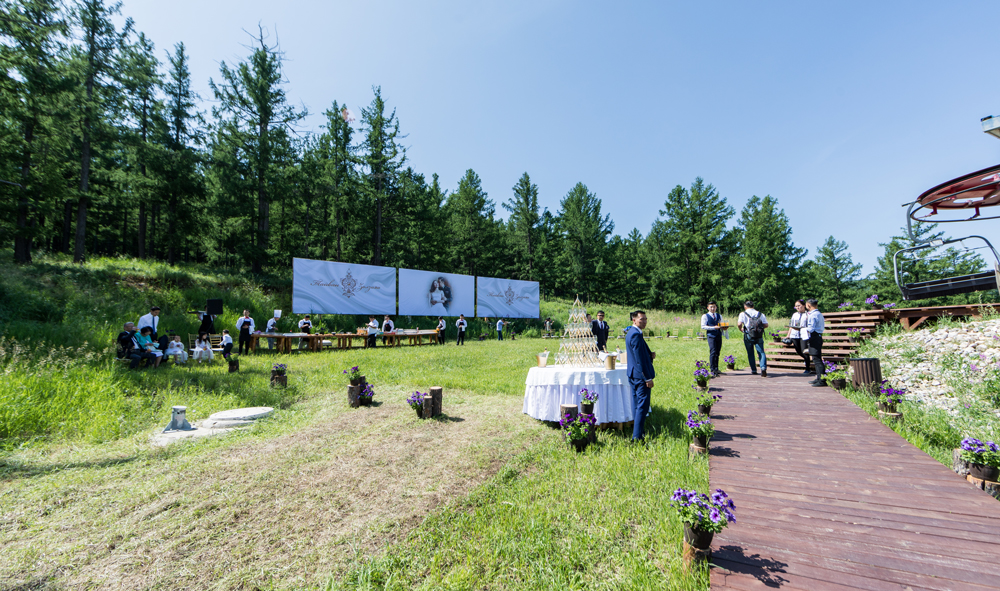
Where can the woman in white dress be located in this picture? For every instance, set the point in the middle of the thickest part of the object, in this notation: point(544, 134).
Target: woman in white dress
point(436, 299)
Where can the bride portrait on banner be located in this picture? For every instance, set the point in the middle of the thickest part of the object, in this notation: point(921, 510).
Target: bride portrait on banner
point(439, 297)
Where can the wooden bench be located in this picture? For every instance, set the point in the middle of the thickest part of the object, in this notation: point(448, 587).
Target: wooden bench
point(215, 339)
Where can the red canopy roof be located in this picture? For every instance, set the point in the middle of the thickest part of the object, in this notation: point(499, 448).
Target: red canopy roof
point(970, 192)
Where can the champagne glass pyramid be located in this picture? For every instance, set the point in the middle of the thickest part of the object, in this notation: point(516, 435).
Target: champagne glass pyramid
point(578, 346)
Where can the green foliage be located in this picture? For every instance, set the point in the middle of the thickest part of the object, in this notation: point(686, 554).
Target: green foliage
point(766, 261)
point(690, 247)
point(834, 275)
point(581, 267)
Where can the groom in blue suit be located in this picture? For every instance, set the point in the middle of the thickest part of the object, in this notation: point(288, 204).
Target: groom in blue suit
point(639, 364)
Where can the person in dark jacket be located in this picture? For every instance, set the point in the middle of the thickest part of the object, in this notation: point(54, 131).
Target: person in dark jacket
point(601, 330)
point(639, 368)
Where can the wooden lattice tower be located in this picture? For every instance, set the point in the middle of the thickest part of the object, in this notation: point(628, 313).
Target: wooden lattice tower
point(578, 346)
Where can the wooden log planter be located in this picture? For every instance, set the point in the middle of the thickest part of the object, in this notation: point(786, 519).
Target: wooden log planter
point(867, 374)
point(279, 380)
point(354, 391)
point(433, 403)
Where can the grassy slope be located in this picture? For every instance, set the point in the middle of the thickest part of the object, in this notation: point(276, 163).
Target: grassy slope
point(279, 506)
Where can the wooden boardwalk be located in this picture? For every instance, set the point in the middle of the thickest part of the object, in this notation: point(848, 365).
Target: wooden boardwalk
point(829, 498)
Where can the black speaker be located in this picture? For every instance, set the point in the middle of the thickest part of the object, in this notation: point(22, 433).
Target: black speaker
point(214, 307)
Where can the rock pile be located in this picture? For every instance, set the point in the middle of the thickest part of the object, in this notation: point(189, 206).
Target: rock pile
point(940, 367)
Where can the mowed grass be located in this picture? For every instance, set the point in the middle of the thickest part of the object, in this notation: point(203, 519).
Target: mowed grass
point(324, 496)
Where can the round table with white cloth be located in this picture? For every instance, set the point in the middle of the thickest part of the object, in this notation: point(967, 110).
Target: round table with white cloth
point(548, 387)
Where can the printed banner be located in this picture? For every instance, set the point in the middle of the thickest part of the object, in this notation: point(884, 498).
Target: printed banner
point(425, 293)
point(324, 287)
point(506, 298)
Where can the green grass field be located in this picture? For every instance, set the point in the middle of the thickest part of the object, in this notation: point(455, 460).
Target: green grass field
point(319, 495)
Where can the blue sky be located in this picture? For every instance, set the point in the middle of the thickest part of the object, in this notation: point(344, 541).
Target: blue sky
point(841, 111)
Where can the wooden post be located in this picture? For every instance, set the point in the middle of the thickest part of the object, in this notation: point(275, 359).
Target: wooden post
point(867, 374)
point(437, 399)
point(353, 398)
point(428, 406)
point(568, 409)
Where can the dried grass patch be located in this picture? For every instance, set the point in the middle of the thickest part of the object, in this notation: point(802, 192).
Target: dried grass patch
point(286, 512)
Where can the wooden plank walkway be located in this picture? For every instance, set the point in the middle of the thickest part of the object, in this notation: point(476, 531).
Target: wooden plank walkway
point(829, 498)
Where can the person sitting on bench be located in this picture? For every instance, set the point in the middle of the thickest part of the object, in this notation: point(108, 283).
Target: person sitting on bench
point(129, 348)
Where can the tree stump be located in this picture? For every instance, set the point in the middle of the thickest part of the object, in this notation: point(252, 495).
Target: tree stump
point(960, 466)
point(867, 374)
point(695, 450)
point(437, 400)
point(354, 396)
point(568, 409)
point(896, 417)
point(991, 488)
point(693, 556)
point(428, 406)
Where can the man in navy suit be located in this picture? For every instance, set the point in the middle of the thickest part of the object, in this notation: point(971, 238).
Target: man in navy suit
point(639, 364)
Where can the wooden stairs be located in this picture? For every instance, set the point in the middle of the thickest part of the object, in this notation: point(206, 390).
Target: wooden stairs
point(837, 346)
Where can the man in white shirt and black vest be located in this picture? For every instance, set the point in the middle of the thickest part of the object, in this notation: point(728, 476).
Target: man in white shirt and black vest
point(245, 325)
point(815, 326)
point(461, 324)
point(372, 331)
point(152, 320)
point(713, 334)
point(387, 327)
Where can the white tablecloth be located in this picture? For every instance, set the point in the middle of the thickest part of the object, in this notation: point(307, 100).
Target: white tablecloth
point(548, 387)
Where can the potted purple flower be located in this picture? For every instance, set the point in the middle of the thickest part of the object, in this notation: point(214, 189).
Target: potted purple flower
point(776, 336)
point(587, 400)
point(730, 361)
point(703, 516)
point(702, 374)
point(279, 374)
point(889, 397)
point(983, 458)
point(856, 334)
point(705, 402)
point(354, 374)
point(701, 428)
point(578, 429)
point(872, 301)
point(835, 376)
point(416, 402)
point(366, 395)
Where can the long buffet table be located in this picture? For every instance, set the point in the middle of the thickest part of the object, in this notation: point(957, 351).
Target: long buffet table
point(548, 387)
point(343, 340)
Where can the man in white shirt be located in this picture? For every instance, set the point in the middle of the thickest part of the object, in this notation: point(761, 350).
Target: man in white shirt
point(815, 326)
point(387, 326)
point(272, 327)
point(752, 324)
point(713, 334)
point(245, 325)
point(500, 324)
point(305, 325)
point(461, 324)
point(372, 331)
point(440, 329)
point(152, 320)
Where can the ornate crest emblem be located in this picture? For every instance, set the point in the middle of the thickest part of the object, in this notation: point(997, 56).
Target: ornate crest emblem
point(508, 296)
point(348, 284)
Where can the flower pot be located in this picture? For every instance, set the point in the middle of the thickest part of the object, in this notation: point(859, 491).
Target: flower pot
point(587, 408)
point(580, 444)
point(281, 380)
point(700, 440)
point(885, 407)
point(853, 339)
point(705, 410)
point(776, 339)
point(731, 366)
point(984, 472)
point(365, 400)
point(702, 540)
point(702, 383)
point(358, 381)
point(838, 384)
point(420, 411)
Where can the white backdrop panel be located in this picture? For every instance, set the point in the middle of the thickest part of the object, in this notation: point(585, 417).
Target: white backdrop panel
point(425, 293)
point(506, 298)
point(324, 287)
